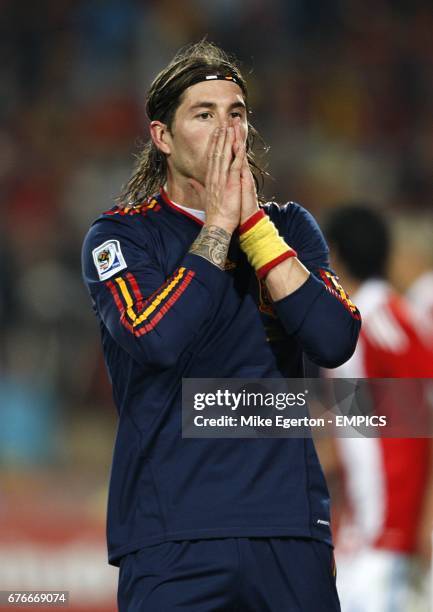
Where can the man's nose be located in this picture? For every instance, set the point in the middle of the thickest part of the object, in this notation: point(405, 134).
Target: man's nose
point(232, 121)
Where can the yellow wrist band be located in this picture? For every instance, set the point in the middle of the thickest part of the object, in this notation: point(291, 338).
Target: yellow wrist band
point(262, 244)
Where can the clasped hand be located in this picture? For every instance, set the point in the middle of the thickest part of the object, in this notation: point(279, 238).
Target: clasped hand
point(229, 195)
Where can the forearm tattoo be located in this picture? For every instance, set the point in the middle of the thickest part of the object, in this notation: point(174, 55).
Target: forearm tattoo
point(212, 243)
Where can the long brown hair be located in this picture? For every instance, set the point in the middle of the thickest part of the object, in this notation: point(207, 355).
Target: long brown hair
point(190, 64)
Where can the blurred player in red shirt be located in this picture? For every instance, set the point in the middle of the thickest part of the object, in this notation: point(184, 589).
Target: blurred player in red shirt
point(384, 540)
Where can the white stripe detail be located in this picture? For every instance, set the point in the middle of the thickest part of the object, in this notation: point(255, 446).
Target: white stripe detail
point(365, 484)
point(384, 331)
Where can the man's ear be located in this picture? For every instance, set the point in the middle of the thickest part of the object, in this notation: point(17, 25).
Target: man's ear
point(160, 135)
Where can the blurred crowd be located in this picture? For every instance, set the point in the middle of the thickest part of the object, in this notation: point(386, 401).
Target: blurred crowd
point(341, 91)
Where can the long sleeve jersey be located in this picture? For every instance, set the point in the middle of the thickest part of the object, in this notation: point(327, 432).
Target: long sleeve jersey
point(166, 314)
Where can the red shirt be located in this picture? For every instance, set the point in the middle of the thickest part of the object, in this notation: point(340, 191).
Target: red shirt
point(386, 478)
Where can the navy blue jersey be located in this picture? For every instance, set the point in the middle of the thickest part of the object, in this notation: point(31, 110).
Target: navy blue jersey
point(166, 314)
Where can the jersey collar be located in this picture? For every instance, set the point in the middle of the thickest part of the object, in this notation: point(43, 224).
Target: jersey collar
point(166, 200)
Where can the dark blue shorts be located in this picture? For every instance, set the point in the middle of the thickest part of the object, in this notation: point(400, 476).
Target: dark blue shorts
point(231, 575)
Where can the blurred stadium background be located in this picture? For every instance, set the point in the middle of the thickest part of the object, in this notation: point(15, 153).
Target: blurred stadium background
point(342, 93)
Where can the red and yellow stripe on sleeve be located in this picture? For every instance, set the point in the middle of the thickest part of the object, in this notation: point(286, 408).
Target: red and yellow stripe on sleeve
point(141, 315)
point(334, 287)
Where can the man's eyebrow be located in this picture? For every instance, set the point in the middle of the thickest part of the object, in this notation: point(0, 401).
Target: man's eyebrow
point(205, 104)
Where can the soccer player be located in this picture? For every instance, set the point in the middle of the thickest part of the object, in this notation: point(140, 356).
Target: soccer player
point(191, 277)
point(384, 543)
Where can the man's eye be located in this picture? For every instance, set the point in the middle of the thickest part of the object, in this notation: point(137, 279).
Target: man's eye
point(204, 115)
point(235, 114)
